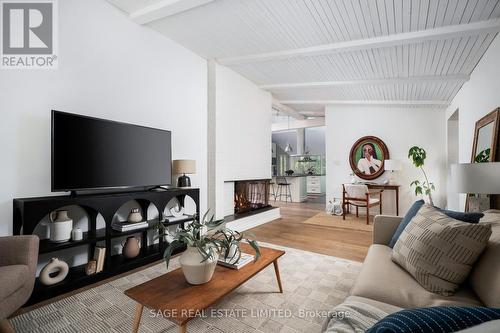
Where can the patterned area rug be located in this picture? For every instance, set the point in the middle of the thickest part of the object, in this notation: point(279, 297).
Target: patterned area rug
point(351, 221)
point(313, 284)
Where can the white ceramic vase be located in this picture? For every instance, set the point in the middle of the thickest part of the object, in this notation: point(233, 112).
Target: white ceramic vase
point(55, 265)
point(60, 226)
point(197, 271)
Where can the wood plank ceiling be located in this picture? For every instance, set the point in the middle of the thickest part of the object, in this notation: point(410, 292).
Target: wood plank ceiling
point(312, 53)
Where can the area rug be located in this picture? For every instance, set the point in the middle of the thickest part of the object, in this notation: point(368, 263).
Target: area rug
point(351, 221)
point(313, 284)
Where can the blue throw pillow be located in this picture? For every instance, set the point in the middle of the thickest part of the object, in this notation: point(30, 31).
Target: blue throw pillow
point(438, 319)
point(461, 216)
point(406, 219)
point(464, 217)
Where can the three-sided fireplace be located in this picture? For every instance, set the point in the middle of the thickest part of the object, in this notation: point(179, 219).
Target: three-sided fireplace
point(250, 195)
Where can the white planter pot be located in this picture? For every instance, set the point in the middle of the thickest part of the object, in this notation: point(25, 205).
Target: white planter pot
point(197, 271)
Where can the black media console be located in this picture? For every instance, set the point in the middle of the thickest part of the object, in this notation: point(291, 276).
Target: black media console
point(28, 213)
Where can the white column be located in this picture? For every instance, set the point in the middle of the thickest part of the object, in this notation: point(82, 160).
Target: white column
point(211, 138)
point(301, 138)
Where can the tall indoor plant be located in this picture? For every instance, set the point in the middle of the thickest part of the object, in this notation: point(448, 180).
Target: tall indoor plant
point(418, 156)
point(206, 240)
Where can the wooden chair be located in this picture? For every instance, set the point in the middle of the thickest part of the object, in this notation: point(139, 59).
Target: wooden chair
point(359, 195)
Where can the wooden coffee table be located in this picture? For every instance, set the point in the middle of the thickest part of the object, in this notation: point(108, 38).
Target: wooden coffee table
point(172, 295)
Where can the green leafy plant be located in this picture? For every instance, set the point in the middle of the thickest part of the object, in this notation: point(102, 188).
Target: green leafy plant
point(418, 156)
point(210, 237)
point(483, 156)
point(228, 242)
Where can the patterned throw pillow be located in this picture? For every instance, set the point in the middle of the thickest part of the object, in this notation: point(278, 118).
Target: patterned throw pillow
point(470, 217)
point(438, 319)
point(439, 251)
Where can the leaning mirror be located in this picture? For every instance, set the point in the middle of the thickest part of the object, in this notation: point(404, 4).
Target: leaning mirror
point(484, 150)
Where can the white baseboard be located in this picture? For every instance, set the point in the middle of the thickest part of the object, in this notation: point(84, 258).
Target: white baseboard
point(252, 221)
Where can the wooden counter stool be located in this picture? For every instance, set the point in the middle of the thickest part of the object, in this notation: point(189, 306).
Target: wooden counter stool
point(283, 184)
point(272, 186)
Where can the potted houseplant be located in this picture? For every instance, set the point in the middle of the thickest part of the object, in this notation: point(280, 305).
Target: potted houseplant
point(418, 156)
point(206, 240)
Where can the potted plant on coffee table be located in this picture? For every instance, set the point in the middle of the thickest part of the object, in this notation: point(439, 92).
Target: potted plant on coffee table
point(206, 240)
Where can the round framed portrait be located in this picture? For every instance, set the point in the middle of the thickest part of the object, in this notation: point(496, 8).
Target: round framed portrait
point(367, 157)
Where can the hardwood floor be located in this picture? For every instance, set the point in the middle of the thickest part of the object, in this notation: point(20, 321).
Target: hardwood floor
point(290, 231)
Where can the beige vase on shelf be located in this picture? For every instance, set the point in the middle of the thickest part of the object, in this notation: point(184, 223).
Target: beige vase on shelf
point(54, 265)
point(134, 216)
point(131, 248)
point(195, 269)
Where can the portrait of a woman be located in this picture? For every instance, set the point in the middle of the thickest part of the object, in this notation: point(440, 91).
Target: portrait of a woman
point(367, 157)
point(369, 164)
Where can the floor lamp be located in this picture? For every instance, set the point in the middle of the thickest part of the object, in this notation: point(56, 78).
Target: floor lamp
point(479, 179)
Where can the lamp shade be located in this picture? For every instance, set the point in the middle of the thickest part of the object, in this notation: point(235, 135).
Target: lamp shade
point(476, 178)
point(392, 165)
point(183, 166)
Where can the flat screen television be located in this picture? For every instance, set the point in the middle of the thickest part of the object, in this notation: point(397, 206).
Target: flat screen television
point(90, 153)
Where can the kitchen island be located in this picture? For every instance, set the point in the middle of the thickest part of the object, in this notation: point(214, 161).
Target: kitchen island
point(300, 185)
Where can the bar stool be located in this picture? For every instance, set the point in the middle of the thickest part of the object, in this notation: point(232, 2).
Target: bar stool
point(272, 186)
point(283, 184)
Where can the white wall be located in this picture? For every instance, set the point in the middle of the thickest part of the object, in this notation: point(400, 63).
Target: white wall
point(315, 140)
point(243, 131)
point(286, 137)
point(478, 97)
point(109, 67)
point(400, 129)
point(452, 148)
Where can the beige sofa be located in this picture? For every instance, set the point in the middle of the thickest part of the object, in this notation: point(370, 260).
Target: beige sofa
point(385, 285)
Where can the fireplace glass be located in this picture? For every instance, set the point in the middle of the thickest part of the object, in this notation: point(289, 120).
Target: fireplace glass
point(251, 195)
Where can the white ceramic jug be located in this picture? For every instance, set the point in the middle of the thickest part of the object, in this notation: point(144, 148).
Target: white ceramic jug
point(60, 226)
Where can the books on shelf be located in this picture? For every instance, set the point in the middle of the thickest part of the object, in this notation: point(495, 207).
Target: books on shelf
point(173, 219)
point(245, 259)
point(99, 256)
point(127, 226)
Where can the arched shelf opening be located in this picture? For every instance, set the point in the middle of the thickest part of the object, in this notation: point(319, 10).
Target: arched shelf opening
point(147, 210)
point(83, 218)
point(179, 209)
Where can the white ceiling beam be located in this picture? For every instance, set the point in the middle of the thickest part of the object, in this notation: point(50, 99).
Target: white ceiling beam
point(287, 110)
point(163, 9)
point(297, 124)
point(416, 79)
point(369, 102)
point(313, 113)
point(446, 32)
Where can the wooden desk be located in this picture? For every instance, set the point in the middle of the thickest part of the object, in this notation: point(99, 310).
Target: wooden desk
point(171, 294)
point(387, 187)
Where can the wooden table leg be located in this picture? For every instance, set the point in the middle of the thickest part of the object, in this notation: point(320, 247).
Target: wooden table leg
point(397, 201)
point(277, 271)
point(183, 328)
point(137, 318)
